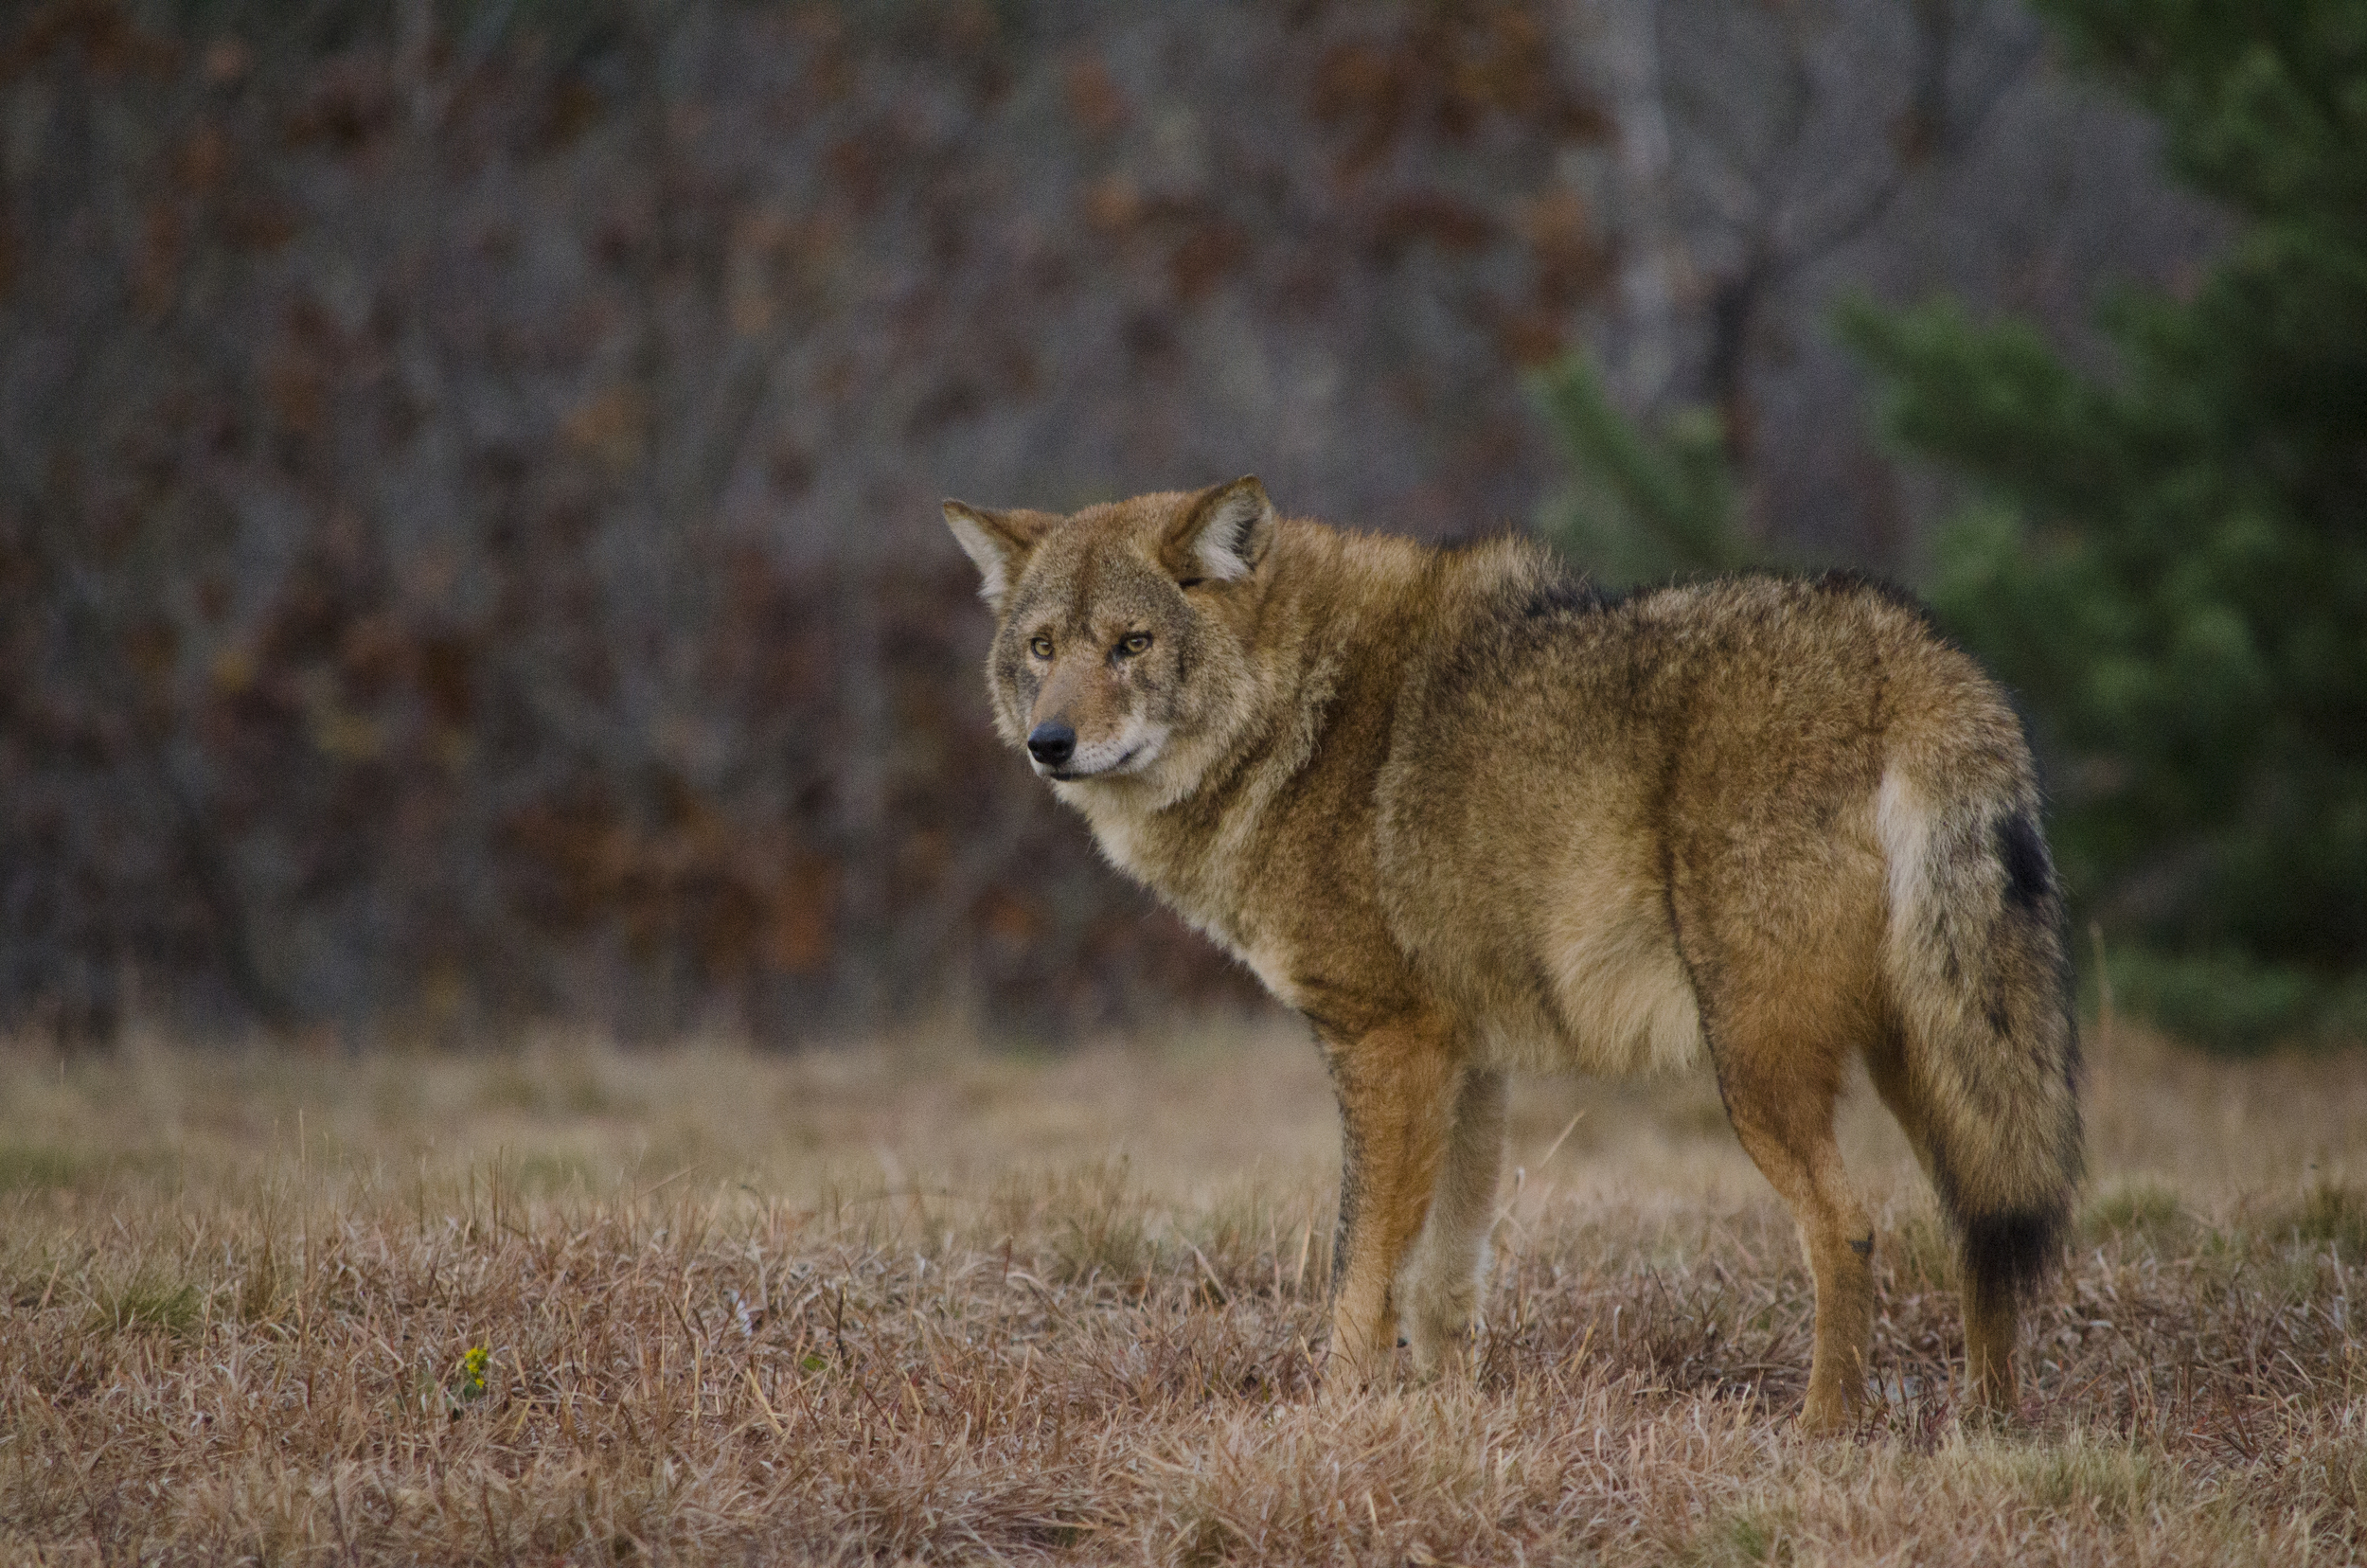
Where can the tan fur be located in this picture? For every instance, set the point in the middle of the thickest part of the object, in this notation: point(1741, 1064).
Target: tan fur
point(1471, 819)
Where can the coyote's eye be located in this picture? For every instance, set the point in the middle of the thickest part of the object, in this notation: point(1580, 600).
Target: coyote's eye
point(1133, 643)
point(1039, 647)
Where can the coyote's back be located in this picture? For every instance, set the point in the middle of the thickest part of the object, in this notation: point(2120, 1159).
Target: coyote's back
point(1471, 817)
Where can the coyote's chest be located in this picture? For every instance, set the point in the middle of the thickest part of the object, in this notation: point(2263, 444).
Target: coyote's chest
point(1212, 882)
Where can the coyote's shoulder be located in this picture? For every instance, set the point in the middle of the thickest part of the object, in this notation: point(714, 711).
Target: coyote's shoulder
point(1470, 815)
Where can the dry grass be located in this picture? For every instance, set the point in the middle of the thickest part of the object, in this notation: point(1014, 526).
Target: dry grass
point(924, 1302)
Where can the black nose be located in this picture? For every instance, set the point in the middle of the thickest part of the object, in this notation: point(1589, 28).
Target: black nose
point(1051, 743)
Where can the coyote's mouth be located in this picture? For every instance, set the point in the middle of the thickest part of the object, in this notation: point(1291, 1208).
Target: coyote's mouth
point(1063, 775)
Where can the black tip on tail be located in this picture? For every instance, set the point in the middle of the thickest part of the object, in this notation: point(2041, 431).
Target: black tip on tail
point(2007, 1254)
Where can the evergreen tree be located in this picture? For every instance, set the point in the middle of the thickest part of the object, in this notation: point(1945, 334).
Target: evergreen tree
point(2169, 562)
point(1640, 506)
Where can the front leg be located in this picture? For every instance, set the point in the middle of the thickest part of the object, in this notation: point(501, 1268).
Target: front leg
point(1439, 1292)
point(1395, 1085)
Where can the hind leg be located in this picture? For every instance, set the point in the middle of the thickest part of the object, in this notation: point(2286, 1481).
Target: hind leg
point(1991, 1315)
point(1780, 1098)
point(1440, 1287)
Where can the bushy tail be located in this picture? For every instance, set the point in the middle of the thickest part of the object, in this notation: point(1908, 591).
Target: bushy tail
point(1977, 966)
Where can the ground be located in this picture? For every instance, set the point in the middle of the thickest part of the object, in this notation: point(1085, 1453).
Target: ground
point(920, 1299)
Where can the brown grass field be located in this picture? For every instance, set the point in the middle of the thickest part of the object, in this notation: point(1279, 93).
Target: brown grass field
point(921, 1301)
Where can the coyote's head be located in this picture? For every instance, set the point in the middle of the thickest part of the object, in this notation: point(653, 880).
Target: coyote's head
point(1120, 650)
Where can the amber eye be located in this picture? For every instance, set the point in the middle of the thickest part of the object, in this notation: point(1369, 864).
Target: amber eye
point(1133, 643)
point(1039, 647)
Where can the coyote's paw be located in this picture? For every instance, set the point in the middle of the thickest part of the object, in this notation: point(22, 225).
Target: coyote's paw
point(1438, 1324)
point(1352, 1374)
point(1361, 1354)
point(1831, 1410)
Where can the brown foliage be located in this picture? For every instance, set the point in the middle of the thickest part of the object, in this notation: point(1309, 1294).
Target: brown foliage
point(468, 474)
point(466, 544)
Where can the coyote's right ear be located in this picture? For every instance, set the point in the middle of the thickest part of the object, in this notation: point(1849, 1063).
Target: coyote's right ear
point(997, 544)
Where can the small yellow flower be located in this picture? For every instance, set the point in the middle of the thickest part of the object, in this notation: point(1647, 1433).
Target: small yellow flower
point(472, 1372)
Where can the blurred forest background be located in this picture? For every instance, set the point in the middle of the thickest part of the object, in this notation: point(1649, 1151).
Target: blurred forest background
point(468, 542)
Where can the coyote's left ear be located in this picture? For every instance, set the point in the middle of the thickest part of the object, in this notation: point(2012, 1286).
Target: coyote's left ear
point(997, 544)
point(1222, 532)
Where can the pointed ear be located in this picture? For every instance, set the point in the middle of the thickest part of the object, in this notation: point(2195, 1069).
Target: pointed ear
point(997, 544)
point(1221, 533)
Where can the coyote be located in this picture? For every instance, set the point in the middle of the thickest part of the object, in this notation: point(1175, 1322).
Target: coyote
point(1472, 818)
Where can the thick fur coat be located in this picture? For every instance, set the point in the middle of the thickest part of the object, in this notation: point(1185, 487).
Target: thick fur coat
point(1471, 818)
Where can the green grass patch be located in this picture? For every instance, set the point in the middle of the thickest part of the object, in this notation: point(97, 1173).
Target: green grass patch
point(1746, 1536)
point(1097, 1225)
point(2330, 1214)
point(2116, 1482)
point(33, 1167)
point(2137, 1211)
point(146, 1301)
point(548, 1174)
